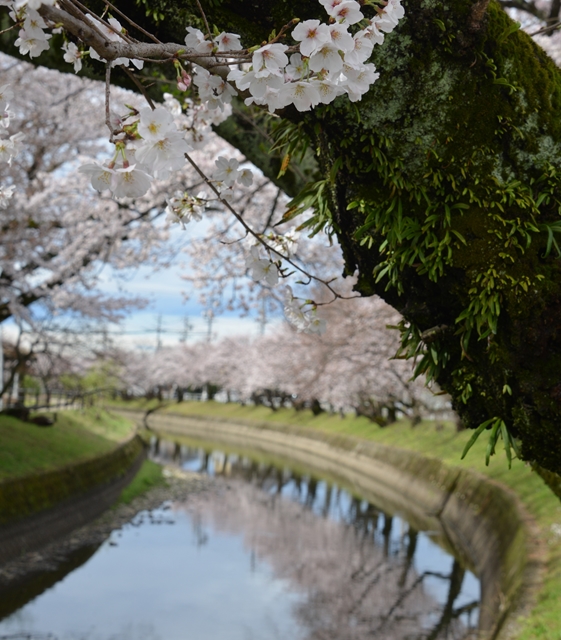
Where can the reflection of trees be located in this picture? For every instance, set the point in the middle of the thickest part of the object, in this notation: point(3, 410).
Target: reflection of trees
point(355, 569)
point(358, 581)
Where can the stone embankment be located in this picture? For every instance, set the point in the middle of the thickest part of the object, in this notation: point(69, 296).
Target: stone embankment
point(483, 521)
point(40, 508)
point(30, 573)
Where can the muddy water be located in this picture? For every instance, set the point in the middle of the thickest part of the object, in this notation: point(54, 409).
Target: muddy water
point(267, 554)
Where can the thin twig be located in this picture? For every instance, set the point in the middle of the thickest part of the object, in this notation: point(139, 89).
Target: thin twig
point(284, 30)
point(326, 283)
point(80, 15)
point(551, 27)
point(269, 139)
point(140, 87)
point(205, 20)
point(108, 99)
point(17, 24)
point(85, 9)
point(132, 23)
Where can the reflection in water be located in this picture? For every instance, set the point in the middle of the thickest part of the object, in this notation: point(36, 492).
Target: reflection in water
point(243, 562)
point(355, 564)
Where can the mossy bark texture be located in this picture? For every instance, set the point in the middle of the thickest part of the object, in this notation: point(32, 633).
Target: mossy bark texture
point(444, 192)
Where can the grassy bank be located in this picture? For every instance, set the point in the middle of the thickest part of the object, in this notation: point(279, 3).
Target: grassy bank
point(149, 476)
point(26, 448)
point(432, 439)
point(76, 436)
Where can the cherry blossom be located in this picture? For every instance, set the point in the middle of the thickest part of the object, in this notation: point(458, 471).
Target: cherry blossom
point(32, 45)
point(363, 46)
point(296, 69)
point(347, 12)
point(34, 24)
point(100, 174)
point(228, 171)
point(270, 59)
point(72, 55)
point(154, 124)
point(312, 35)
point(260, 268)
point(183, 208)
point(130, 181)
point(195, 39)
point(228, 42)
point(246, 177)
point(6, 94)
point(358, 81)
point(6, 194)
point(303, 95)
point(340, 37)
point(327, 58)
point(215, 91)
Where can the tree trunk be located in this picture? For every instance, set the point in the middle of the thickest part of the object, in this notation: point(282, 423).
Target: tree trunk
point(443, 185)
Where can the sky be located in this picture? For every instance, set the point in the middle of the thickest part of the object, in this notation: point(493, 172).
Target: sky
point(169, 309)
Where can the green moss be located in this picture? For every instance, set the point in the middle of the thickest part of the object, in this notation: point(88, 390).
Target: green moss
point(22, 496)
point(451, 186)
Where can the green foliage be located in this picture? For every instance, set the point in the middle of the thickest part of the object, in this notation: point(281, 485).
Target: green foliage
point(497, 428)
point(151, 11)
point(102, 375)
point(31, 383)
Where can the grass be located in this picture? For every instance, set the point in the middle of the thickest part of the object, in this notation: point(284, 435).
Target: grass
point(26, 448)
point(433, 440)
point(149, 476)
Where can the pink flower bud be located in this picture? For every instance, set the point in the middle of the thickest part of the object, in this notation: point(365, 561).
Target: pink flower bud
point(184, 82)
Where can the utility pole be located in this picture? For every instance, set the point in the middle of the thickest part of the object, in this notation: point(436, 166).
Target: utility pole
point(262, 317)
point(159, 333)
point(187, 326)
point(209, 315)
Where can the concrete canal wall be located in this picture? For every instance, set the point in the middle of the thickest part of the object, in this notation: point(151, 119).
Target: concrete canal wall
point(482, 520)
point(42, 507)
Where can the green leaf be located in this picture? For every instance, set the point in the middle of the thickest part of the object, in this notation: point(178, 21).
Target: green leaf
point(492, 440)
point(506, 440)
point(335, 169)
point(480, 429)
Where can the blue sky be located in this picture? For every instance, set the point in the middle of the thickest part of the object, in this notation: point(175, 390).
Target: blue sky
point(165, 289)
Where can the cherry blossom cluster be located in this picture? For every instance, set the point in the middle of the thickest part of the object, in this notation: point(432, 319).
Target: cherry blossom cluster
point(228, 172)
point(32, 38)
point(261, 269)
point(303, 315)
point(9, 146)
point(147, 147)
point(73, 55)
point(182, 207)
point(331, 61)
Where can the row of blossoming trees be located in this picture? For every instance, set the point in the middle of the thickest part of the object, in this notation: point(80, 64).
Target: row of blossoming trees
point(348, 368)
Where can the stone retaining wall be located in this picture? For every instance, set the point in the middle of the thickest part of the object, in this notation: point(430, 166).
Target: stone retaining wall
point(42, 507)
point(484, 521)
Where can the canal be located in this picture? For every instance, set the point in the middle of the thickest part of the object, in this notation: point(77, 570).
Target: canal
point(267, 552)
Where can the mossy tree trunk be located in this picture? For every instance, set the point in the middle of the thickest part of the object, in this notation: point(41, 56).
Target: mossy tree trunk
point(444, 192)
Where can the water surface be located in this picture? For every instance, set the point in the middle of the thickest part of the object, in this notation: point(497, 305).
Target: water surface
point(269, 553)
